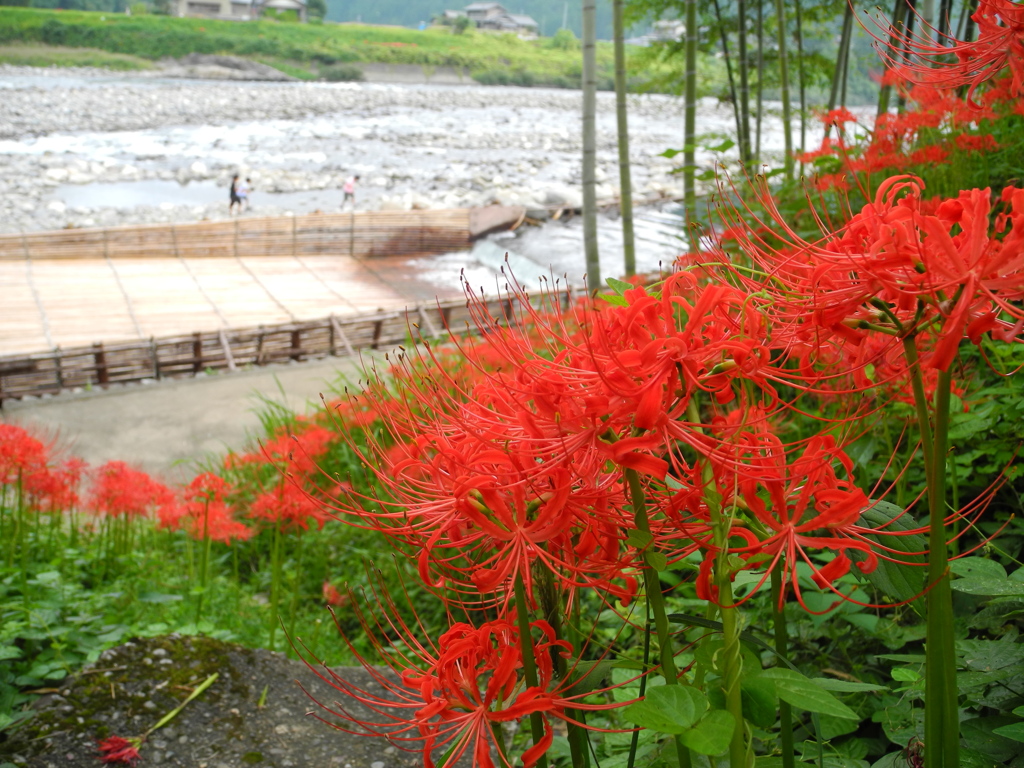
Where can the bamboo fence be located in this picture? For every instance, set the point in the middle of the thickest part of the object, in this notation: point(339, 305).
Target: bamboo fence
point(362, 235)
point(100, 365)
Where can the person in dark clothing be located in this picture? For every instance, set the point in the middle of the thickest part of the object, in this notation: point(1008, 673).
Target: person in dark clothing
point(235, 198)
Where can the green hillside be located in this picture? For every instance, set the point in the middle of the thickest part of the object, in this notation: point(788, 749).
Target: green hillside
point(308, 49)
point(409, 13)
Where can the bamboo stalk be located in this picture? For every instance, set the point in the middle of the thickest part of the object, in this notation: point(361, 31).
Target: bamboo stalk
point(744, 65)
point(690, 128)
point(787, 131)
point(729, 71)
point(622, 124)
point(590, 144)
point(801, 76)
point(899, 13)
point(760, 76)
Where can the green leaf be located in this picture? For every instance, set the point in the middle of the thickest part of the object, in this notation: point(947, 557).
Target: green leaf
point(894, 579)
point(981, 585)
point(725, 146)
point(1013, 731)
point(619, 286)
point(798, 690)
point(845, 686)
point(9, 652)
point(656, 560)
point(906, 675)
point(156, 597)
point(670, 153)
point(668, 709)
point(613, 298)
point(588, 675)
point(979, 734)
point(760, 703)
point(711, 735)
point(639, 539)
point(977, 566)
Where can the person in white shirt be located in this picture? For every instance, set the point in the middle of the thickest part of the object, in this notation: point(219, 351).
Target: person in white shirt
point(243, 194)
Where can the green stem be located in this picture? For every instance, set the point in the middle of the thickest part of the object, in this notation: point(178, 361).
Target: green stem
point(656, 601)
point(204, 562)
point(296, 588)
point(529, 663)
point(643, 684)
point(192, 696)
point(941, 714)
point(940, 666)
point(782, 648)
point(275, 582)
point(731, 662)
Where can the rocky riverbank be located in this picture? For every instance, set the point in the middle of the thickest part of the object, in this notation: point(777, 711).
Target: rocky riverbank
point(73, 139)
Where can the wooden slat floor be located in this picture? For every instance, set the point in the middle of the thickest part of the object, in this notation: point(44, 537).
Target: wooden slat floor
point(83, 301)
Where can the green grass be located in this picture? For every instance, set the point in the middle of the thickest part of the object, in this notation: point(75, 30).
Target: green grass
point(37, 55)
point(305, 47)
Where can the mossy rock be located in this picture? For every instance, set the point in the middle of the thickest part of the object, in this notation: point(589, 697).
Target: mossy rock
point(230, 725)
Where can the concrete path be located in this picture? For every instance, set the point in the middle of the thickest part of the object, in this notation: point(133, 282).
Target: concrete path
point(170, 426)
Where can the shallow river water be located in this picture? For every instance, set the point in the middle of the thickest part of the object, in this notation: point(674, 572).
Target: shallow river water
point(86, 149)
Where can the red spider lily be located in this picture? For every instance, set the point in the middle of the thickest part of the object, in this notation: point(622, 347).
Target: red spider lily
point(941, 60)
point(333, 597)
point(453, 697)
point(121, 491)
point(115, 749)
point(54, 489)
point(897, 266)
point(298, 451)
point(288, 505)
point(937, 125)
point(21, 455)
point(207, 514)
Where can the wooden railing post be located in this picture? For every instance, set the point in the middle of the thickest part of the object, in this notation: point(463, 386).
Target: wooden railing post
point(154, 354)
point(226, 346)
point(197, 352)
point(377, 328)
point(296, 351)
point(100, 357)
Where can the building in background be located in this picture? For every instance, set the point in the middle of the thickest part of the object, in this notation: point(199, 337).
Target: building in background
point(238, 10)
point(493, 17)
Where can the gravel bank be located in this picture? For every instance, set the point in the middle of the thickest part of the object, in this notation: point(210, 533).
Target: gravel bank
point(70, 139)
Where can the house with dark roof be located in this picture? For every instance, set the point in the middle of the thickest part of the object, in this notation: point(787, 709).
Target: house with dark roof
point(494, 17)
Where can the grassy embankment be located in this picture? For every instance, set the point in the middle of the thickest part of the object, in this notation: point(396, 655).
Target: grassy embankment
point(308, 51)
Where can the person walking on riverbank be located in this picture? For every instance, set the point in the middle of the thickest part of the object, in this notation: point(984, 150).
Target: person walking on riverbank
point(243, 193)
point(349, 188)
point(235, 199)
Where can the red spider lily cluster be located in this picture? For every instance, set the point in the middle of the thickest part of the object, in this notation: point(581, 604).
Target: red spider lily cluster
point(578, 446)
point(934, 58)
point(937, 128)
point(28, 467)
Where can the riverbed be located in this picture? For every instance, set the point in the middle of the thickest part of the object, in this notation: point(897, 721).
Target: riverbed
point(88, 148)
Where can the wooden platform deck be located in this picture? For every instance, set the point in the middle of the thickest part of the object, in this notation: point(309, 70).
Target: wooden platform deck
point(50, 304)
point(172, 300)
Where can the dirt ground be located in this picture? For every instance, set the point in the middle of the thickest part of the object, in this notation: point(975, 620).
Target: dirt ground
point(170, 426)
point(254, 714)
